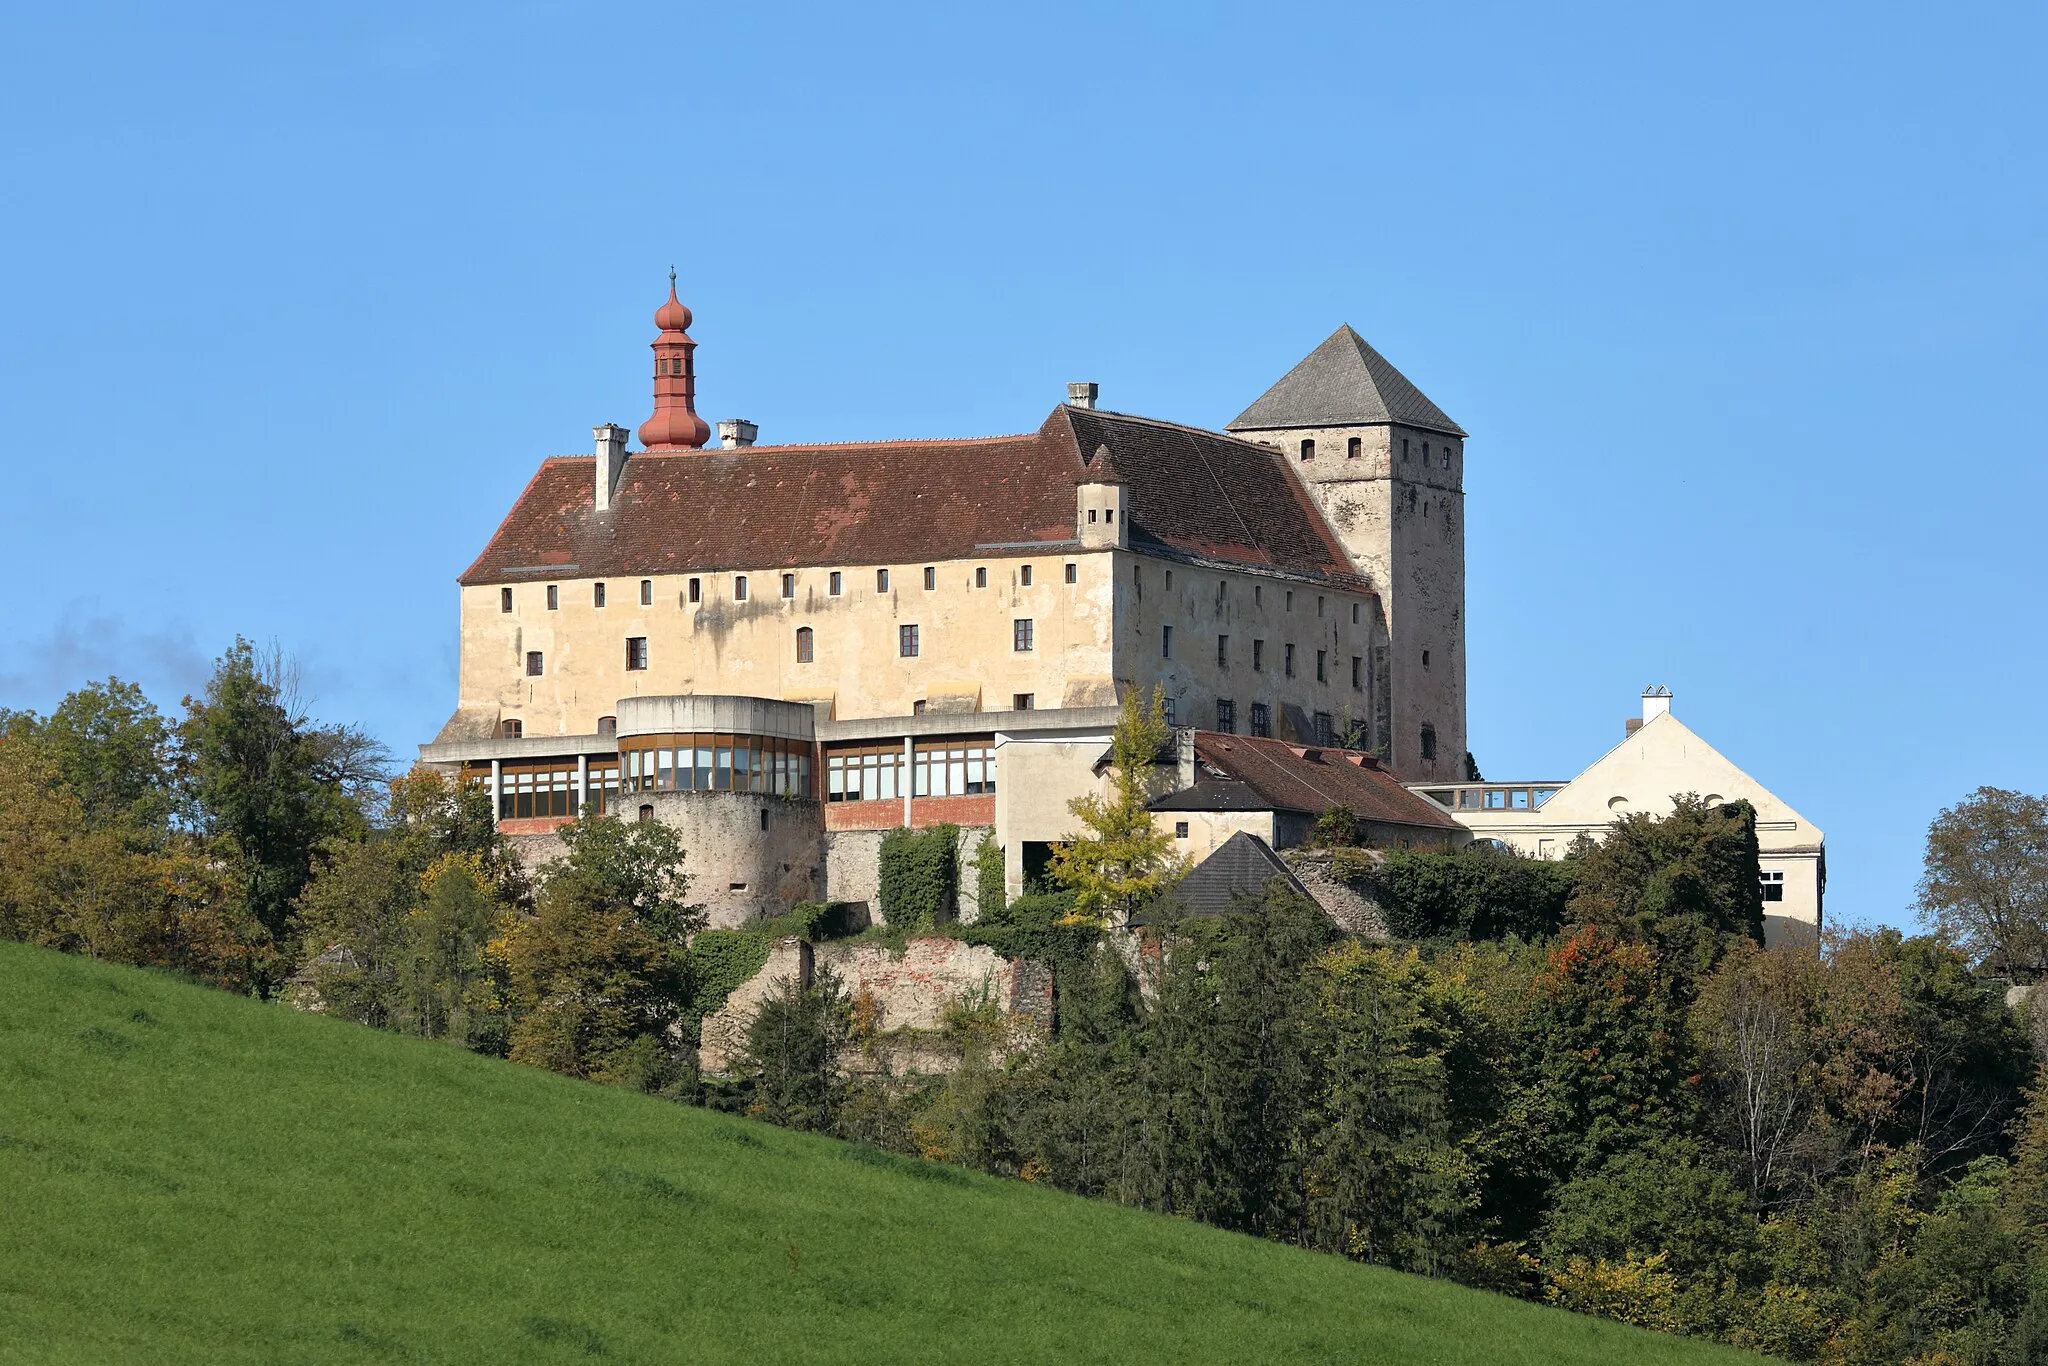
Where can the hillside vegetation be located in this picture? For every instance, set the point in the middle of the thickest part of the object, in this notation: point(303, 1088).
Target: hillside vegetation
point(193, 1176)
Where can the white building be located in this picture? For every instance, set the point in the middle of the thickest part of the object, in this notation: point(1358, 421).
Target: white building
point(1660, 758)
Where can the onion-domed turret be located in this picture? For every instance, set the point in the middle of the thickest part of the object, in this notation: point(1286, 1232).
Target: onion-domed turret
point(675, 424)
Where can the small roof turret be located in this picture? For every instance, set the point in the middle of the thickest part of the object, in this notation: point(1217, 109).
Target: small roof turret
point(1343, 383)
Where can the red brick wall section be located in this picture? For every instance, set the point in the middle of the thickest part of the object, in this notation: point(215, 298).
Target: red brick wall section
point(924, 811)
point(533, 825)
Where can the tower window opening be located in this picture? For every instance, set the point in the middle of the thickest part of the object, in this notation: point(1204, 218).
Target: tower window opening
point(1425, 659)
point(1354, 614)
point(696, 590)
point(1429, 743)
point(1287, 661)
point(1357, 673)
point(1308, 448)
point(1322, 656)
point(1258, 656)
point(1404, 448)
point(511, 730)
point(1091, 514)
point(1354, 448)
point(1226, 715)
point(1262, 720)
point(1166, 642)
point(1223, 652)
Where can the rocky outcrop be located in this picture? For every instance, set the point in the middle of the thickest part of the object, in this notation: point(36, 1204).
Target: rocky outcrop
point(1357, 913)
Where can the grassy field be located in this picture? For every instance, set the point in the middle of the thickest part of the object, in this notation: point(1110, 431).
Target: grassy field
point(189, 1176)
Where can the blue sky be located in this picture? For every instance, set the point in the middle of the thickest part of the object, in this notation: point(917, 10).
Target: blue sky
point(1743, 306)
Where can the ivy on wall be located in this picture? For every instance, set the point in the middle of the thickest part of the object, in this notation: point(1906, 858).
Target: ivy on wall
point(920, 877)
point(988, 874)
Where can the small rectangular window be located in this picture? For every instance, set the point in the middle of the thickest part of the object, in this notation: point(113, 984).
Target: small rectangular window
point(739, 588)
point(636, 653)
point(1289, 603)
point(554, 597)
point(1020, 634)
point(1353, 448)
point(906, 641)
point(696, 590)
point(504, 599)
point(803, 644)
point(1322, 656)
point(931, 578)
point(789, 585)
point(1180, 830)
point(1326, 728)
point(1287, 661)
point(1024, 576)
point(1354, 614)
point(1138, 580)
point(1166, 642)
point(834, 584)
point(1258, 656)
point(1258, 595)
point(533, 663)
point(981, 576)
point(1429, 742)
point(1223, 652)
point(1023, 701)
point(1169, 580)
point(917, 707)
point(1166, 711)
point(1262, 720)
point(1308, 449)
point(1073, 576)
point(1357, 673)
point(1319, 604)
point(1091, 514)
point(1226, 716)
point(881, 580)
point(647, 592)
point(597, 595)
point(1773, 882)
point(1404, 448)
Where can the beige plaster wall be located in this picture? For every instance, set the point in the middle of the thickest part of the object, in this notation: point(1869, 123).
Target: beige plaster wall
point(721, 644)
point(1209, 830)
point(1038, 778)
point(1151, 594)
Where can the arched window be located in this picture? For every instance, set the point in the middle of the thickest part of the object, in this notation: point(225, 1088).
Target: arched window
point(607, 725)
point(646, 813)
point(803, 644)
point(511, 730)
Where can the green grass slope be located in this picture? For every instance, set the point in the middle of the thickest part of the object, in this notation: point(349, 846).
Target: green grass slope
point(189, 1176)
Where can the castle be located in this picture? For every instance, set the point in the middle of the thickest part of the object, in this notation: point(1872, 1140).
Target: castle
point(785, 650)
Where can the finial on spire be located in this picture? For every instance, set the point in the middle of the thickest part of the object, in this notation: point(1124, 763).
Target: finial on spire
point(671, 279)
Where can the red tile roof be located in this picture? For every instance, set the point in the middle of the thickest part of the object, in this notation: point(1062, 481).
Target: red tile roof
point(1191, 493)
point(1287, 777)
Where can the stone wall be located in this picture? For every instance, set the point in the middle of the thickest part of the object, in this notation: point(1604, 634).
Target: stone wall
point(1358, 915)
point(910, 990)
point(853, 869)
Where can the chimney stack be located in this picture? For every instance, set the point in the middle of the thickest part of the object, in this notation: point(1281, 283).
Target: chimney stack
point(736, 434)
point(611, 460)
point(1082, 393)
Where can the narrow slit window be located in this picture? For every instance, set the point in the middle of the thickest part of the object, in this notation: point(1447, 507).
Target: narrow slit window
point(1322, 657)
point(835, 584)
point(739, 588)
point(597, 595)
point(881, 580)
point(504, 599)
point(1223, 652)
point(1166, 642)
point(931, 578)
point(647, 592)
point(696, 590)
point(1258, 656)
point(1024, 576)
point(981, 576)
point(554, 597)
point(1287, 660)
point(1226, 715)
point(789, 585)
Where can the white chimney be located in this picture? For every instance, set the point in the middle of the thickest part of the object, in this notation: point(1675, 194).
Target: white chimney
point(736, 434)
point(611, 460)
point(1656, 702)
point(1082, 393)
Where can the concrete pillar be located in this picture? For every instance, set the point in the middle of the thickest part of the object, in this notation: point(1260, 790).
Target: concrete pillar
point(909, 776)
point(497, 781)
point(582, 785)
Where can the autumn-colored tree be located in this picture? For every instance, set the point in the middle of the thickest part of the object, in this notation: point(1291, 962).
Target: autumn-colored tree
point(1124, 857)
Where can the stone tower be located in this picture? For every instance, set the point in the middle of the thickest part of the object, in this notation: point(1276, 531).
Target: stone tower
point(1388, 467)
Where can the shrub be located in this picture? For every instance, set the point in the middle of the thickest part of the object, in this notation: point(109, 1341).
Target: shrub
point(920, 877)
point(1471, 894)
point(1037, 925)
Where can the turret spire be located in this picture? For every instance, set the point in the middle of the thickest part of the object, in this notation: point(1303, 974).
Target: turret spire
point(675, 424)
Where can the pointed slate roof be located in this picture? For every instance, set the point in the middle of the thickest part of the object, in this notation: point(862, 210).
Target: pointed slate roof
point(1240, 867)
point(1343, 383)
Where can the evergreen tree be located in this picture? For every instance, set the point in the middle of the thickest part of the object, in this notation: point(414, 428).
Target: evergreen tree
point(1124, 858)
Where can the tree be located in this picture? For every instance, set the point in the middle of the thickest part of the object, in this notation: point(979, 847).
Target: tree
point(268, 788)
point(114, 750)
point(1685, 882)
point(1124, 858)
point(1985, 883)
point(792, 1054)
point(599, 975)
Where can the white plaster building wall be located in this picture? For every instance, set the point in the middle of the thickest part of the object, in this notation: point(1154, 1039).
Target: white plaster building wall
point(721, 644)
point(1279, 611)
point(1661, 759)
point(1208, 830)
point(1038, 777)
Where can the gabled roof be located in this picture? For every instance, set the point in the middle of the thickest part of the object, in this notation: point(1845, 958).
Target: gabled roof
point(1343, 383)
point(1241, 867)
point(1191, 493)
point(1248, 773)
